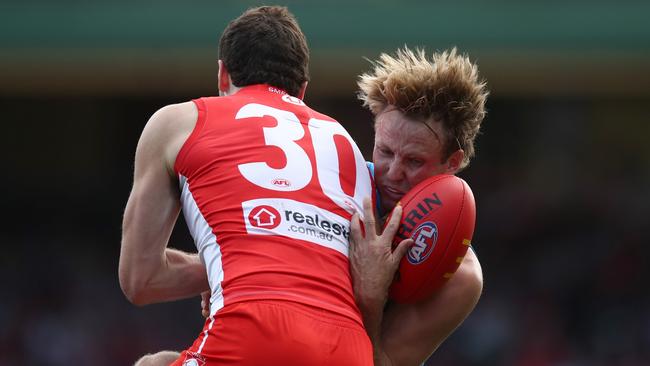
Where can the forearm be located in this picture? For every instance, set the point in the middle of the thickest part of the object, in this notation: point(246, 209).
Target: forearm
point(184, 275)
point(415, 331)
point(172, 276)
point(371, 294)
point(373, 263)
point(373, 314)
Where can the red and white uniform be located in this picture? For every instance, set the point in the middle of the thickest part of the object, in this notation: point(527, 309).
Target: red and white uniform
point(268, 189)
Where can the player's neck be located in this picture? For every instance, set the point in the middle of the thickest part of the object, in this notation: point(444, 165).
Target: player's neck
point(231, 90)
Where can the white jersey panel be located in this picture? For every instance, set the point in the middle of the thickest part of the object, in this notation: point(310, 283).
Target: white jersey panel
point(206, 244)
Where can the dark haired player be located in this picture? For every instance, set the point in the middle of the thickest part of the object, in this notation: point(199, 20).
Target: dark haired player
point(267, 187)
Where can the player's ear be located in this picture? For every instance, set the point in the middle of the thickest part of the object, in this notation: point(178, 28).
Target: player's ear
point(301, 92)
point(454, 161)
point(223, 79)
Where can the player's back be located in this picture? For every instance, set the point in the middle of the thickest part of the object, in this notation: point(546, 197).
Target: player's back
point(269, 186)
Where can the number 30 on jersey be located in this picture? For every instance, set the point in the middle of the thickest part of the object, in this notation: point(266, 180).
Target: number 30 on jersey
point(299, 169)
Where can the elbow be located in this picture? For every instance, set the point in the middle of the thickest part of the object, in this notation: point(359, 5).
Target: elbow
point(471, 278)
point(135, 274)
point(134, 288)
point(134, 295)
point(474, 286)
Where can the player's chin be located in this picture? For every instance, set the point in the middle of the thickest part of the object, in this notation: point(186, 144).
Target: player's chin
point(387, 203)
point(388, 199)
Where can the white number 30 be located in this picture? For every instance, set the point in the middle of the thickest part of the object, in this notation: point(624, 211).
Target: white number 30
point(297, 172)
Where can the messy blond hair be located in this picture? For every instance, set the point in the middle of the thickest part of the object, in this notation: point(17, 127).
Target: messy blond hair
point(445, 88)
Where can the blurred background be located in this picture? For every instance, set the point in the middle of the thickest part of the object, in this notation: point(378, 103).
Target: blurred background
point(561, 177)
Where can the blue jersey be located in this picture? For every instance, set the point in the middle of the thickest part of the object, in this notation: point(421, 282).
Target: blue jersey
point(371, 168)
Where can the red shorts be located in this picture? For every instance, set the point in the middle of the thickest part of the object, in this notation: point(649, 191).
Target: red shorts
point(278, 333)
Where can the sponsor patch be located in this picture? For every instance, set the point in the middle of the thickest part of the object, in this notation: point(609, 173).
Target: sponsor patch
point(193, 359)
point(298, 220)
point(293, 100)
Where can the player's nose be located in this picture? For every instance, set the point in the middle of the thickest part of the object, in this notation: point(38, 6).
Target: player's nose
point(395, 171)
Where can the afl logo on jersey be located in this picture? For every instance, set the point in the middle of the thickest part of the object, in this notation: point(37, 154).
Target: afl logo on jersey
point(265, 217)
point(425, 237)
point(281, 182)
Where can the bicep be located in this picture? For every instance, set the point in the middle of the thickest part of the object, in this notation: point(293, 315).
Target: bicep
point(150, 214)
point(411, 332)
point(153, 205)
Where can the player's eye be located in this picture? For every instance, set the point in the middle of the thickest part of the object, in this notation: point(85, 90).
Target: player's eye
point(385, 152)
point(415, 162)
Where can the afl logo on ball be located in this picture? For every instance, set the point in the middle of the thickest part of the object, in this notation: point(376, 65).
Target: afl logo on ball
point(425, 237)
point(265, 217)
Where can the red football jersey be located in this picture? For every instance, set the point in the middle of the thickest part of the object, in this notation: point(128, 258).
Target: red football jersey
point(268, 189)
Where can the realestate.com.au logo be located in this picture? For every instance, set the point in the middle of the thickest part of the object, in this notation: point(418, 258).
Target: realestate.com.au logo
point(298, 220)
point(265, 217)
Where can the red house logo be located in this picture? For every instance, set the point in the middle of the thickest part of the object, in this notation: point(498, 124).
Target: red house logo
point(265, 217)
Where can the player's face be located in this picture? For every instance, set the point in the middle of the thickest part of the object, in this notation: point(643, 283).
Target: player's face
point(406, 152)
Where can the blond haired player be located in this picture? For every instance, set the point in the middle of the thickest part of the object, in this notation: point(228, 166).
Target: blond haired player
point(428, 111)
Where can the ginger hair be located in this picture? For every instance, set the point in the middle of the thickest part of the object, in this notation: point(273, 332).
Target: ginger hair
point(445, 88)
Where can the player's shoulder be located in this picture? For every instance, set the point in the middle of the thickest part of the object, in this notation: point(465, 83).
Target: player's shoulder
point(321, 116)
point(172, 119)
point(166, 132)
point(168, 128)
point(175, 113)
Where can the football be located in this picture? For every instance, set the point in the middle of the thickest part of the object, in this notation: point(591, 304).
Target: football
point(439, 215)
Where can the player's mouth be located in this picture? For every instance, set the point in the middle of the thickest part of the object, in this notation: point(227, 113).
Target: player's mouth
point(393, 193)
